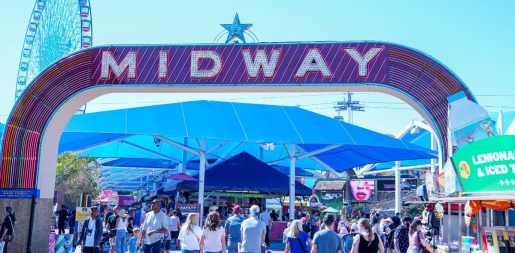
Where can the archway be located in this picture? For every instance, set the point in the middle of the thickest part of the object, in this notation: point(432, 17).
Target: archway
point(35, 124)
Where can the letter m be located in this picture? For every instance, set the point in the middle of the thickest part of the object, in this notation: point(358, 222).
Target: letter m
point(109, 63)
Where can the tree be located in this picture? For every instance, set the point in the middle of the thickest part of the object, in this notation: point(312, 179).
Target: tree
point(75, 175)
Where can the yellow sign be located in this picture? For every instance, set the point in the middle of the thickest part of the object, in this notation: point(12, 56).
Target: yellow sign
point(82, 213)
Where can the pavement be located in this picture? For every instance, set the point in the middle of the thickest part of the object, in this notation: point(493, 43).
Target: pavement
point(275, 247)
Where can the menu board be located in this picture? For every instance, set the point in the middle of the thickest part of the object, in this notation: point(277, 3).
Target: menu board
point(489, 238)
point(511, 235)
point(500, 239)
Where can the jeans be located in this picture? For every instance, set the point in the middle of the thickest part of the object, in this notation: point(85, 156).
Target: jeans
point(121, 236)
point(190, 251)
point(213, 251)
point(267, 239)
point(153, 248)
point(232, 247)
point(90, 250)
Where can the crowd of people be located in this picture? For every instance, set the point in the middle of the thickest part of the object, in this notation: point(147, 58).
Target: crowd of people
point(153, 229)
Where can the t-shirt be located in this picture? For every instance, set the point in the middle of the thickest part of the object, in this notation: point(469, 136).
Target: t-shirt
point(173, 222)
point(327, 241)
point(265, 218)
point(62, 215)
point(213, 239)
point(137, 218)
point(131, 244)
point(111, 221)
point(154, 221)
point(252, 231)
point(190, 239)
point(90, 234)
point(295, 247)
point(233, 226)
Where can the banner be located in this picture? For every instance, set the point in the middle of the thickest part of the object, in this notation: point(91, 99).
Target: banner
point(82, 213)
point(64, 243)
point(385, 185)
point(126, 200)
point(487, 165)
point(188, 208)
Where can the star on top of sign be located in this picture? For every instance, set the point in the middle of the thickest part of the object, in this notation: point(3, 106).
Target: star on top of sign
point(236, 29)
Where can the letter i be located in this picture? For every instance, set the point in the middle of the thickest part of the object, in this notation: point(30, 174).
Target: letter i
point(163, 64)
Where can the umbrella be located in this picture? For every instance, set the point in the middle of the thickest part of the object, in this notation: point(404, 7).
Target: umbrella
point(330, 210)
point(181, 176)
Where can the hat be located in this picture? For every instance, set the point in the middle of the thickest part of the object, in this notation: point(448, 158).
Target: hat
point(303, 219)
point(388, 220)
point(328, 218)
point(237, 209)
point(406, 218)
point(94, 208)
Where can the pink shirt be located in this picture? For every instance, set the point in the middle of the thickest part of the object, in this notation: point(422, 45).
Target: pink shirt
point(415, 240)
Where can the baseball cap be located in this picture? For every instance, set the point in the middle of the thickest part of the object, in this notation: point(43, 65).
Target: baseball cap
point(303, 219)
point(328, 218)
point(237, 209)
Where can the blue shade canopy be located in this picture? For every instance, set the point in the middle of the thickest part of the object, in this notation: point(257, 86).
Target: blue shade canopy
point(244, 172)
point(145, 135)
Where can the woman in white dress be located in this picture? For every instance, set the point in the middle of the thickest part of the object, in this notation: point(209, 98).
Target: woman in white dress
point(213, 235)
point(189, 236)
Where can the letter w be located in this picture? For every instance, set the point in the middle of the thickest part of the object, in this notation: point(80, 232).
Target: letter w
point(261, 61)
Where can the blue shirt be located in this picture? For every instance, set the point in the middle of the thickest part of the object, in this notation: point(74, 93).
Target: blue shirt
point(131, 244)
point(137, 218)
point(295, 247)
point(233, 225)
point(327, 241)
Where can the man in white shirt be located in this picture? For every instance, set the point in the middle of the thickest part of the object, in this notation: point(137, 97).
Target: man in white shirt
point(265, 218)
point(153, 228)
point(91, 233)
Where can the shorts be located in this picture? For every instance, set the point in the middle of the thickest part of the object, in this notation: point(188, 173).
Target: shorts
point(167, 244)
point(112, 241)
point(174, 234)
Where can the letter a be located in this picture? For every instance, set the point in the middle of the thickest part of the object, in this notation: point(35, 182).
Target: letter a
point(313, 62)
point(109, 63)
point(261, 61)
point(196, 57)
point(363, 60)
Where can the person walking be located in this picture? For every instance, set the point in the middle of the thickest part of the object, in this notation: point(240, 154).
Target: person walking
point(174, 226)
point(253, 232)
point(416, 238)
point(297, 240)
point(190, 234)
point(130, 223)
point(7, 229)
point(326, 240)
point(401, 237)
point(367, 241)
point(344, 225)
point(91, 233)
point(62, 216)
point(111, 219)
point(213, 236)
point(265, 218)
point(233, 230)
point(121, 231)
point(71, 222)
point(153, 227)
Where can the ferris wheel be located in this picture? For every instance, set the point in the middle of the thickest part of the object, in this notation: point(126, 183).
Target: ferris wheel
point(56, 28)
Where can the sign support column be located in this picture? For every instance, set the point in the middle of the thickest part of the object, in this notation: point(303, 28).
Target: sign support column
point(293, 159)
point(202, 175)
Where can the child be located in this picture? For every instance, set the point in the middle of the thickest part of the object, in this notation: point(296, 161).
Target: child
point(132, 242)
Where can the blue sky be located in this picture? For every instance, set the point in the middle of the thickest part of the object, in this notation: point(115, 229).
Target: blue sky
point(473, 38)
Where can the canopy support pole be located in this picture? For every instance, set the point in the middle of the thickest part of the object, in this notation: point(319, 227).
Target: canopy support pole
point(448, 223)
point(184, 164)
point(460, 227)
point(293, 159)
point(398, 189)
point(201, 181)
point(480, 228)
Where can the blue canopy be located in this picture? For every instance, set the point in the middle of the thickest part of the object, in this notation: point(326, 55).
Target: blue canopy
point(244, 172)
point(148, 134)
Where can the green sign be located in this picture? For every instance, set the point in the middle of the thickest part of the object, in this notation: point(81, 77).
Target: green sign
point(487, 165)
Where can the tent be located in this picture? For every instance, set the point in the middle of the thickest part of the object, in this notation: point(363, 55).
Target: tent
point(244, 172)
